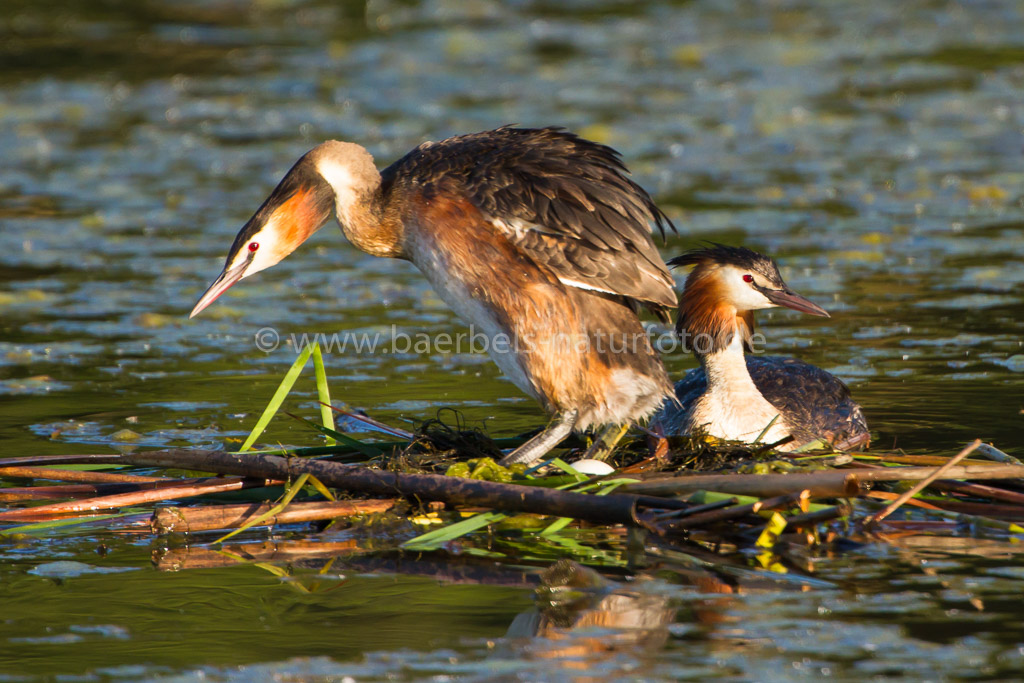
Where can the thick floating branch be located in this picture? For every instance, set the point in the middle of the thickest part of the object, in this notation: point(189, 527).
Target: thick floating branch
point(182, 489)
point(611, 509)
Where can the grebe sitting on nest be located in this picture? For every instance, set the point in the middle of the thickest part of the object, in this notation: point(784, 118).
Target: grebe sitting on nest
point(736, 397)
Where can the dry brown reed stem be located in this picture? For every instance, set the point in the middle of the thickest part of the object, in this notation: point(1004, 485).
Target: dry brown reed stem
point(15, 493)
point(871, 459)
point(994, 510)
point(979, 491)
point(919, 486)
point(697, 509)
point(194, 487)
point(11, 494)
point(890, 496)
point(89, 459)
point(167, 520)
point(75, 475)
point(835, 483)
point(714, 516)
point(810, 519)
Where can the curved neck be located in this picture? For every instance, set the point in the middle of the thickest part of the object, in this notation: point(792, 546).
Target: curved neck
point(726, 368)
point(367, 224)
point(360, 205)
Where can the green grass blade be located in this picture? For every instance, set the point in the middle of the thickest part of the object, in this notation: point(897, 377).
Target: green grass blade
point(816, 445)
point(702, 497)
point(765, 430)
point(322, 390)
point(603, 488)
point(432, 540)
point(568, 469)
point(556, 526)
point(319, 486)
point(282, 392)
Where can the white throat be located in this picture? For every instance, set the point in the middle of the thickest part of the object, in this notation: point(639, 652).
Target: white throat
point(732, 407)
point(343, 181)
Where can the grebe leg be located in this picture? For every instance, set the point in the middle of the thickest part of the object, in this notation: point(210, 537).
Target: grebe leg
point(605, 442)
point(560, 427)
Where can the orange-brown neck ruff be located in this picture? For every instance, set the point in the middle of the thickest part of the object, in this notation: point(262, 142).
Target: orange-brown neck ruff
point(707, 320)
point(296, 219)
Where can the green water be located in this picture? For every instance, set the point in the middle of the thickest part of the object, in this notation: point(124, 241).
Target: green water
point(874, 148)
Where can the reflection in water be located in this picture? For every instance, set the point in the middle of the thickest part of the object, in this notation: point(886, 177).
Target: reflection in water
point(583, 617)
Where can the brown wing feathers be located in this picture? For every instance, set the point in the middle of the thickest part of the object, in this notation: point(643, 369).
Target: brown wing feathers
point(565, 201)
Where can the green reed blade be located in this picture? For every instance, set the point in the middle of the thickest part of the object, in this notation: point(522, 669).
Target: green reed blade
point(322, 390)
point(282, 392)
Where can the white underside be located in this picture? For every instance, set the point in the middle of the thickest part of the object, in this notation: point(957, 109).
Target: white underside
point(628, 395)
point(471, 311)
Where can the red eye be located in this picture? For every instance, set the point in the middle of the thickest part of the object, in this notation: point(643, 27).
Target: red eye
point(253, 246)
point(746, 278)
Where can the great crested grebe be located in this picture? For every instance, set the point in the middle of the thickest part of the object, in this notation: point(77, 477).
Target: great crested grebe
point(535, 236)
point(737, 397)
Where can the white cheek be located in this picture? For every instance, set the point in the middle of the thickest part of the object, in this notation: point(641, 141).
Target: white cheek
point(265, 254)
point(261, 261)
point(743, 296)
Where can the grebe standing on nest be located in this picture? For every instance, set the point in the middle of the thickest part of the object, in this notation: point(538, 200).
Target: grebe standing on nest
point(736, 397)
point(536, 236)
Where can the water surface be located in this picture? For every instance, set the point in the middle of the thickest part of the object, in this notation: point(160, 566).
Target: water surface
point(873, 148)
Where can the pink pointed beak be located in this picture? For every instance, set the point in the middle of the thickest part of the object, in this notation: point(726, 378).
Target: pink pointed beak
point(219, 286)
point(790, 299)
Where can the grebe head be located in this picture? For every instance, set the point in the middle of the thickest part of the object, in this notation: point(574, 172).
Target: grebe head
point(331, 175)
point(726, 285)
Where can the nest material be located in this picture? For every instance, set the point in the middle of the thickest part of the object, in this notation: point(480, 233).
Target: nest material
point(437, 443)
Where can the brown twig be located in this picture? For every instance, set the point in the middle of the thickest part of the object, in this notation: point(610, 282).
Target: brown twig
point(993, 510)
point(914, 490)
point(196, 557)
point(12, 493)
point(15, 493)
point(979, 491)
point(696, 509)
point(736, 511)
point(89, 459)
point(890, 496)
point(810, 519)
point(89, 476)
point(898, 459)
point(194, 487)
